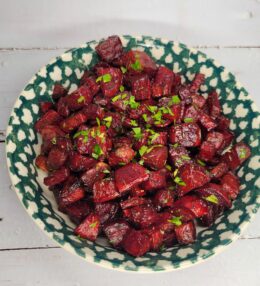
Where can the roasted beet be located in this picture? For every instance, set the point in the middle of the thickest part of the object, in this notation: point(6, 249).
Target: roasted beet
point(207, 121)
point(163, 198)
point(80, 97)
point(56, 158)
point(41, 163)
point(106, 211)
point(110, 49)
point(62, 107)
point(57, 177)
point(163, 82)
point(179, 155)
point(156, 237)
point(71, 123)
point(230, 184)
point(78, 210)
point(79, 163)
point(58, 91)
point(121, 155)
point(89, 228)
point(132, 202)
point(46, 106)
point(104, 190)
point(207, 151)
point(141, 87)
point(157, 180)
point(214, 105)
point(51, 117)
point(94, 111)
point(156, 157)
point(130, 176)
point(197, 82)
point(186, 233)
point(219, 170)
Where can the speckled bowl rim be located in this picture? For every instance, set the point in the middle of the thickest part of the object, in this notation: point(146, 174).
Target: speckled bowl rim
point(185, 264)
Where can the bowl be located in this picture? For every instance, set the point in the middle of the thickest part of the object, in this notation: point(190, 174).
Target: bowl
point(22, 146)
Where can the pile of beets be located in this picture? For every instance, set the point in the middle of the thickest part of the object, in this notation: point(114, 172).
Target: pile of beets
point(136, 155)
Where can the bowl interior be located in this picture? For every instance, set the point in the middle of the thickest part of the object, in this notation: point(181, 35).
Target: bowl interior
point(23, 146)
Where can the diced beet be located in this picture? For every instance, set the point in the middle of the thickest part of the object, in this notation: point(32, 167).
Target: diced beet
point(207, 121)
point(163, 82)
point(141, 87)
point(184, 213)
point(121, 141)
point(179, 156)
point(237, 155)
point(56, 158)
point(197, 82)
point(223, 123)
point(142, 216)
point(116, 231)
point(41, 163)
point(185, 94)
point(79, 98)
point(51, 132)
point(57, 177)
point(177, 109)
point(214, 105)
point(209, 218)
point(186, 233)
point(110, 49)
point(215, 138)
point(217, 191)
point(219, 170)
point(106, 211)
point(89, 80)
point(230, 184)
point(58, 91)
point(62, 107)
point(191, 113)
point(130, 176)
point(193, 203)
point(110, 86)
point(163, 222)
point(94, 111)
point(132, 202)
point(163, 198)
point(78, 210)
point(101, 100)
point(156, 158)
point(94, 174)
point(136, 243)
point(138, 61)
point(79, 163)
point(46, 106)
point(137, 191)
point(138, 143)
point(71, 123)
point(157, 180)
point(71, 192)
point(89, 228)
point(156, 237)
point(122, 155)
point(228, 138)
point(160, 139)
point(169, 239)
point(207, 151)
point(186, 134)
point(51, 117)
point(198, 100)
point(193, 176)
point(104, 190)
point(121, 101)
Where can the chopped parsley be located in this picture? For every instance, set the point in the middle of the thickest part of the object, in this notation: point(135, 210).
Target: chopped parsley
point(185, 157)
point(133, 122)
point(179, 181)
point(242, 153)
point(121, 88)
point(137, 133)
point(108, 120)
point(121, 164)
point(84, 133)
point(168, 167)
point(154, 136)
point(141, 162)
point(143, 150)
point(188, 120)
point(116, 98)
point(98, 121)
point(201, 163)
point(176, 220)
point(106, 171)
point(81, 99)
point(152, 108)
point(136, 65)
point(175, 99)
point(145, 117)
point(54, 140)
point(133, 104)
point(97, 152)
point(105, 78)
point(211, 198)
point(93, 224)
point(123, 70)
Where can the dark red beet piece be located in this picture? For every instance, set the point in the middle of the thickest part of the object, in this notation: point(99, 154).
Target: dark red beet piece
point(197, 82)
point(130, 176)
point(71, 123)
point(116, 231)
point(184, 213)
point(214, 105)
point(90, 81)
point(156, 158)
point(104, 190)
point(186, 134)
point(132, 202)
point(62, 107)
point(79, 163)
point(51, 117)
point(179, 156)
point(215, 138)
point(163, 82)
point(219, 170)
point(207, 151)
point(58, 91)
point(89, 228)
point(163, 198)
point(137, 191)
point(157, 180)
point(110, 49)
point(106, 211)
point(46, 106)
point(56, 158)
point(141, 87)
point(121, 155)
point(185, 94)
point(78, 210)
point(207, 121)
point(94, 111)
point(198, 100)
point(191, 113)
point(41, 163)
point(156, 237)
point(186, 233)
point(193, 176)
point(79, 98)
point(51, 132)
point(230, 184)
point(209, 218)
point(223, 123)
point(57, 177)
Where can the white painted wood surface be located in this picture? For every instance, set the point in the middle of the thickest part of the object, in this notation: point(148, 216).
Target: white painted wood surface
point(33, 32)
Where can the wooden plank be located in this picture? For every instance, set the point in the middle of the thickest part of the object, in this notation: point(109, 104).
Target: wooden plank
point(17, 67)
point(59, 24)
point(57, 267)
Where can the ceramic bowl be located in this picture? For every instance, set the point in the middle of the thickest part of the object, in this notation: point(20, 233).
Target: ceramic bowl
point(22, 146)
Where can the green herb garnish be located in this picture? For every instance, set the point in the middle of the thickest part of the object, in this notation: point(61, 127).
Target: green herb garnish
point(201, 163)
point(185, 157)
point(176, 220)
point(108, 120)
point(152, 108)
point(211, 198)
point(168, 167)
point(133, 122)
point(93, 224)
point(123, 70)
point(105, 78)
point(81, 99)
point(242, 153)
point(175, 99)
point(97, 151)
point(98, 121)
point(136, 65)
point(133, 104)
point(83, 133)
point(121, 88)
point(141, 162)
point(145, 117)
point(106, 171)
point(137, 133)
point(142, 150)
point(179, 181)
point(54, 140)
point(188, 120)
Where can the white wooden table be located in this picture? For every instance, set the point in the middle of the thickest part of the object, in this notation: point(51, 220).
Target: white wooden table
point(32, 32)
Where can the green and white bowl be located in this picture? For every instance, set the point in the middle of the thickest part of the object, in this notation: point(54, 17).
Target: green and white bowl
point(22, 146)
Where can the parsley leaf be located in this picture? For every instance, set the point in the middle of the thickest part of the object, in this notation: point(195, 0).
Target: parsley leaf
point(81, 99)
point(175, 99)
point(154, 136)
point(54, 140)
point(97, 151)
point(137, 133)
point(211, 198)
point(179, 181)
point(133, 122)
point(123, 70)
point(98, 121)
point(145, 117)
point(142, 150)
point(242, 153)
point(136, 65)
point(105, 78)
point(93, 224)
point(152, 108)
point(168, 167)
point(133, 104)
point(185, 157)
point(201, 163)
point(108, 120)
point(176, 220)
point(121, 88)
point(188, 120)
point(116, 98)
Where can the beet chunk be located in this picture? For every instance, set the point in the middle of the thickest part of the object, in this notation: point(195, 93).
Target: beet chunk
point(110, 49)
point(51, 117)
point(215, 138)
point(89, 228)
point(179, 156)
point(207, 121)
point(78, 211)
point(111, 80)
point(163, 198)
point(163, 82)
point(104, 190)
point(207, 151)
point(157, 180)
point(116, 231)
point(156, 237)
point(58, 91)
point(122, 155)
point(106, 211)
point(95, 174)
point(132, 202)
point(56, 158)
point(193, 176)
point(185, 213)
point(214, 105)
point(186, 233)
point(197, 82)
point(46, 106)
point(230, 184)
point(130, 176)
point(137, 191)
point(219, 170)
point(156, 158)
point(57, 177)
point(209, 218)
point(71, 123)
point(94, 111)
point(186, 134)
point(196, 205)
point(141, 87)
point(90, 81)
point(80, 97)
point(185, 94)
point(138, 61)
point(71, 192)
point(78, 162)
point(62, 107)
